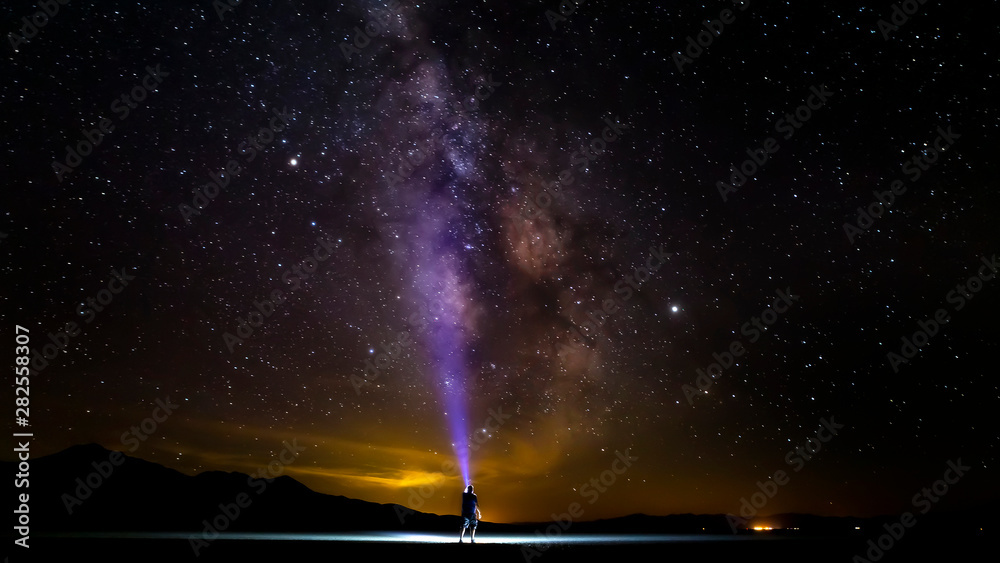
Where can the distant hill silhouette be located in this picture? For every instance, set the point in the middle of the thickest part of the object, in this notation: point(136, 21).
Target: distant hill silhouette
point(143, 496)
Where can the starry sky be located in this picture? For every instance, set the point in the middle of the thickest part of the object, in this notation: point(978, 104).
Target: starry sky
point(378, 207)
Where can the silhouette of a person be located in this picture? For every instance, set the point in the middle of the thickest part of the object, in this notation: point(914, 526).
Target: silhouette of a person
point(470, 514)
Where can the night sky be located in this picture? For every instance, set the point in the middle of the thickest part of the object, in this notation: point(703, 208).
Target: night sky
point(378, 209)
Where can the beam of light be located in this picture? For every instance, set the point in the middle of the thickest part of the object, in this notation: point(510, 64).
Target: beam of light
point(446, 344)
point(441, 243)
point(447, 352)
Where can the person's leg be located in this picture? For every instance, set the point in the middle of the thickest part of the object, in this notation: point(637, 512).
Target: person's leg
point(472, 532)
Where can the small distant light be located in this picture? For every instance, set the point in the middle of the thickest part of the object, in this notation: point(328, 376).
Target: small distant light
point(674, 308)
point(294, 162)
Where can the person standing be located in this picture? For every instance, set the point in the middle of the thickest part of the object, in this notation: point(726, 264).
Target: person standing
point(470, 514)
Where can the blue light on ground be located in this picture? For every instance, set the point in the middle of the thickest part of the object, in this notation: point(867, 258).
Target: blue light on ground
point(427, 537)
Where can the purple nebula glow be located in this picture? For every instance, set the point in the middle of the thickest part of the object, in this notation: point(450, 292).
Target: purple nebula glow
point(437, 230)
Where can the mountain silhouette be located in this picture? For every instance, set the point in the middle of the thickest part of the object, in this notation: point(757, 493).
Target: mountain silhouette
point(80, 489)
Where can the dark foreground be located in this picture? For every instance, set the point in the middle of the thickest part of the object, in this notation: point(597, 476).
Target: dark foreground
point(414, 547)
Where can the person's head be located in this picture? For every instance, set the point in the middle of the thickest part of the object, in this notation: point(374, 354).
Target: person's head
point(469, 490)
